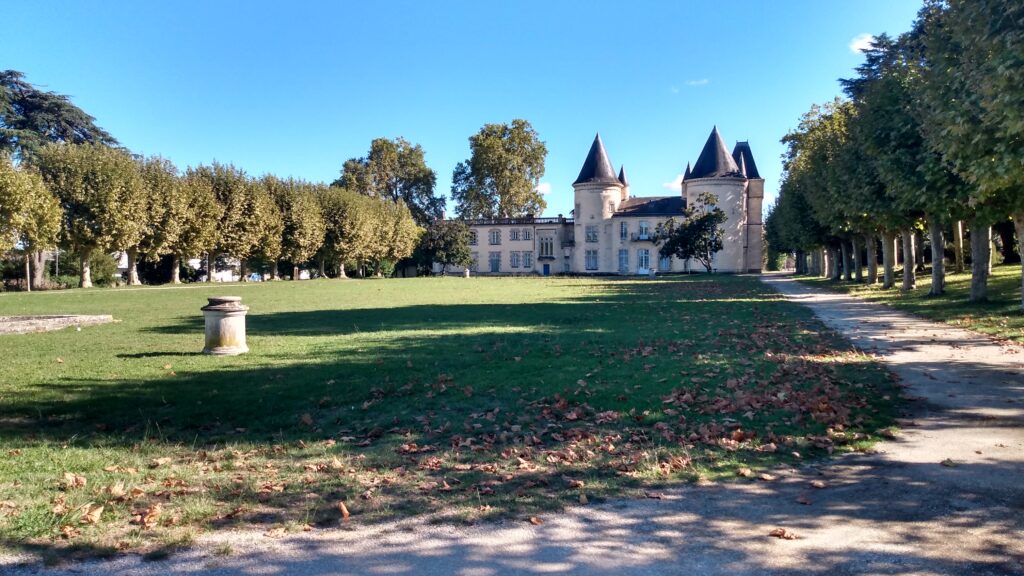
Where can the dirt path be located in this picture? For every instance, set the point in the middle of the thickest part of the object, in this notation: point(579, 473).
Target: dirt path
point(900, 511)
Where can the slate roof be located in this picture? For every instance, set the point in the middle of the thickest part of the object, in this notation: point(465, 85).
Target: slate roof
point(742, 152)
point(686, 175)
point(622, 176)
point(651, 206)
point(597, 167)
point(714, 160)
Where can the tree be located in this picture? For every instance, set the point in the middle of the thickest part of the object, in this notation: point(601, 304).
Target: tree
point(303, 222)
point(165, 211)
point(395, 234)
point(698, 236)
point(263, 219)
point(396, 170)
point(29, 213)
point(973, 94)
point(199, 225)
point(500, 178)
point(445, 242)
point(236, 236)
point(348, 222)
point(30, 118)
point(101, 196)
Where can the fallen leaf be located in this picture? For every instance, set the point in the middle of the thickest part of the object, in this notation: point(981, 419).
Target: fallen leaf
point(819, 484)
point(149, 517)
point(783, 534)
point(536, 521)
point(72, 480)
point(336, 464)
point(60, 360)
point(949, 463)
point(745, 472)
point(91, 514)
point(158, 462)
point(68, 531)
point(306, 419)
point(767, 477)
point(803, 499)
point(344, 512)
point(654, 495)
point(583, 498)
point(274, 532)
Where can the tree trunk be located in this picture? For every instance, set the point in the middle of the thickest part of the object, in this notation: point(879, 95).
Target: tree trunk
point(295, 273)
point(938, 257)
point(858, 271)
point(909, 277)
point(981, 246)
point(85, 279)
point(1018, 222)
point(133, 272)
point(836, 265)
point(871, 247)
point(210, 263)
point(888, 260)
point(175, 269)
point(919, 251)
point(958, 246)
point(38, 268)
point(844, 247)
point(273, 270)
point(341, 270)
point(241, 270)
point(323, 273)
point(28, 273)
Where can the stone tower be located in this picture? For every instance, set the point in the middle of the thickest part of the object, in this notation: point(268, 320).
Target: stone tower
point(598, 194)
point(734, 180)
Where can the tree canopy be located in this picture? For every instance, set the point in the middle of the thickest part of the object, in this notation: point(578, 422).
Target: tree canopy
point(500, 178)
point(698, 235)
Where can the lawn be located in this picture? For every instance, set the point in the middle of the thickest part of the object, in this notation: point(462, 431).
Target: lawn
point(1000, 317)
point(364, 400)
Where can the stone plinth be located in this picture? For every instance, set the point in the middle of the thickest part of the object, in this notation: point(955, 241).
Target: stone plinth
point(225, 326)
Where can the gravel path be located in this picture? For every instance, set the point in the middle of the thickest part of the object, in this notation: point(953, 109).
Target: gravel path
point(900, 511)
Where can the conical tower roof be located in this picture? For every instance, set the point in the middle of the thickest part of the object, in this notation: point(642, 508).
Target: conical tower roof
point(742, 152)
point(597, 167)
point(622, 176)
point(714, 160)
point(686, 175)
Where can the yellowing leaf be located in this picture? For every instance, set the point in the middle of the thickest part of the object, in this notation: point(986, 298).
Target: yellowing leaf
point(91, 514)
point(783, 534)
point(536, 521)
point(344, 512)
point(72, 480)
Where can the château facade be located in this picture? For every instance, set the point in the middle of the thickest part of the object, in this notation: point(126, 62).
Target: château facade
point(612, 232)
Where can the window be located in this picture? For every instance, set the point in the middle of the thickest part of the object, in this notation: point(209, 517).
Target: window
point(472, 237)
point(568, 266)
point(494, 259)
point(474, 262)
point(494, 237)
point(623, 261)
point(513, 234)
point(591, 233)
point(513, 259)
point(611, 207)
point(591, 260)
point(527, 234)
point(665, 264)
point(547, 247)
point(645, 230)
point(528, 259)
point(623, 230)
point(643, 259)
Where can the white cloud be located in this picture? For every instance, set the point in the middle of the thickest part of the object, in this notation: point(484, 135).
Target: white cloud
point(861, 42)
point(675, 185)
point(701, 82)
point(544, 188)
point(674, 90)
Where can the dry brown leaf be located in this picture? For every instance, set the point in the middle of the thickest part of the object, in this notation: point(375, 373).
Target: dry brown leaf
point(803, 499)
point(767, 477)
point(149, 517)
point(60, 360)
point(336, 464)
point(116, 490)
point(536, 521)
point(783, 534)
point(60, 506)
point(583, 498)
point(344, 512)
point(306, 420)
point(68, 531)
point(745, 472)
point(91, 513)
point(72, 480)
point(819, 484)
point(158, 462)
point(274, 532)
point(949, 463)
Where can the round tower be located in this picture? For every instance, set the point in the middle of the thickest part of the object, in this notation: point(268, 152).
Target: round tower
point(598, 194)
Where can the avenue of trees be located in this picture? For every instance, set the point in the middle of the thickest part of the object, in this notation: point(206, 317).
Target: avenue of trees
point(66, 183)
point(927, 146)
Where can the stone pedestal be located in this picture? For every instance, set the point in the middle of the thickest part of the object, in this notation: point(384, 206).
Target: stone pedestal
point(465, 273)
point(225, 326)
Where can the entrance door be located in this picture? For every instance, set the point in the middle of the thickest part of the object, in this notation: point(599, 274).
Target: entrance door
point(643, 261)
point(547, 269)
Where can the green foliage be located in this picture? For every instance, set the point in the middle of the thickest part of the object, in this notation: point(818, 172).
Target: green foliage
point(30, 118)
point(264, 221)
point(101, 195)
point(697, 236)
point(501, 176)
point(445, 242)
point(102, 266)
point(29, 213)
point(167, 207)
point(237, 233)
point(199, 225)
point(302, 218)
point(395, 170)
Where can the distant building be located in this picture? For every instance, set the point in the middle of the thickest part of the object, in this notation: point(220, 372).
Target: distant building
point(612, 232)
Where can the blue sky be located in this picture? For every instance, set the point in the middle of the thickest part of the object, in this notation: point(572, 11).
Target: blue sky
point(295, 88)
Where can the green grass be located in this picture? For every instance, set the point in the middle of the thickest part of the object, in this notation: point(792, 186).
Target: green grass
point(464, 399)
point(1000, 316)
